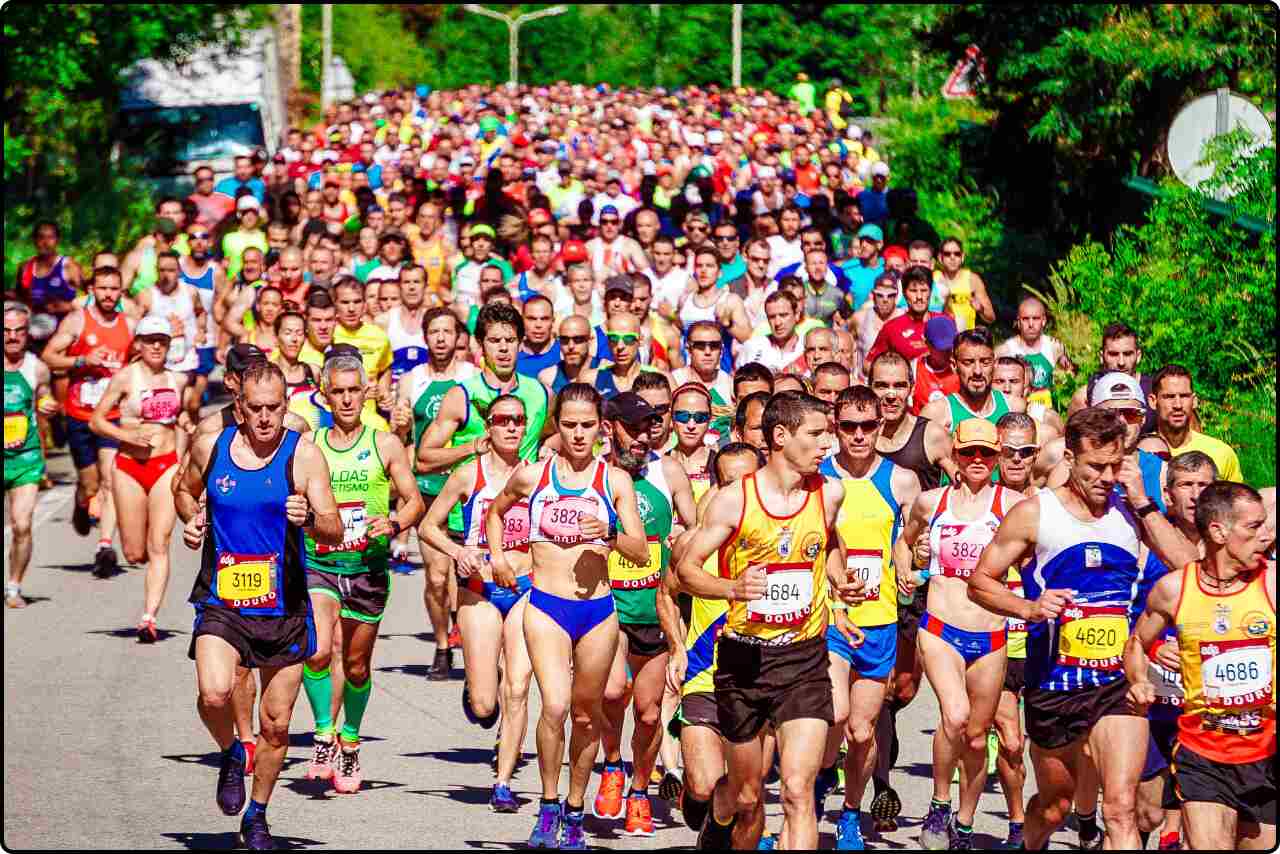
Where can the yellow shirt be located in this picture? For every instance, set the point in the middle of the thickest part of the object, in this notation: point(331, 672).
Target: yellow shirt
point(867, 522)
point(793, 552)
point(311, 408)
point(310, 355)
point(1222, 454)
point(373, 344)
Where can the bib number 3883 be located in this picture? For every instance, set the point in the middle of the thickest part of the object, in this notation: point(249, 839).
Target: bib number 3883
point(788, 595)
point(247, 581)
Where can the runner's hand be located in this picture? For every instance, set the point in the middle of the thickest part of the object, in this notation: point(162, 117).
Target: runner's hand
point(677, 665)
point(47, 406)
point(1141, 695)
point(1130, 477)
point(1049, 606)
point(851, 588)
point(592, 528)
point(1167, 656)
point(470, 561)
point(193, 531)
point(852, 634)
point(503, 574)
point(401, 416)
point(386, 399)
point(751, 585)
point(295, 509)
point(906, 584)
point(921, 553)
point(482, 444)
point(379, 526)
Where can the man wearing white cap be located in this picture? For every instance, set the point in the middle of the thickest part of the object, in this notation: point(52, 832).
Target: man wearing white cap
point(874, 200)
point(768, 197)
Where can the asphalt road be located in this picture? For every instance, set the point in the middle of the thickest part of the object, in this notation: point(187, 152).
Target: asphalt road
point(103, 747)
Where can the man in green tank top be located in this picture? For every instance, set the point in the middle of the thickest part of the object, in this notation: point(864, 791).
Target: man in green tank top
point(974, 361)
point(421, 391)
point(458, 432)
point(351, 581)
point(26, 388)
point(647, 615)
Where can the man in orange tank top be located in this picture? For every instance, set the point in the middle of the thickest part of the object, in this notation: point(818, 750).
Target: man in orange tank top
point(1224, 607)
point(91, 344)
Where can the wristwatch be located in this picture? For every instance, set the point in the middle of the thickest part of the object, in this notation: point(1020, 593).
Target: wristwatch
point(1150, 508)
point(309, 520)
point(395, 527)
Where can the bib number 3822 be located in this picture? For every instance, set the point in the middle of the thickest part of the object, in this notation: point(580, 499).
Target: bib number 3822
point(788, 595)
point(247, 581)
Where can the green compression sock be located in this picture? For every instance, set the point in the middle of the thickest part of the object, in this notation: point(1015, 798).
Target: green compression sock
point(319, 690)
point(355, 699)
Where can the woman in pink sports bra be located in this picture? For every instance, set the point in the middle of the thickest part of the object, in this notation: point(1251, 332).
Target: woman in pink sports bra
point(150, 402)
point(580, 509)
point(490, 616)
point(961, 644)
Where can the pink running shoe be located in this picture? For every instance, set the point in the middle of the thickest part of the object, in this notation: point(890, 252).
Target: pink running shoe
point(347, 775)
point(321, 765)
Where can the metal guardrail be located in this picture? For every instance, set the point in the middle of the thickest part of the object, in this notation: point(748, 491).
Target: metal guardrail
point(1252, 223)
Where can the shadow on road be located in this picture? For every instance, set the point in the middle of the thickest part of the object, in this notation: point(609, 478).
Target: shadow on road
point(132, 633)
point(459, 755)
point(78, 567)
point(417, 670)
point(303, 739)
point(213, 760)
point(227, 841)
point(322, 790)
point(422, 636)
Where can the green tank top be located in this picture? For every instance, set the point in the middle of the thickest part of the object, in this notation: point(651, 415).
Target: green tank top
point(20, 434)
point(960, 412)
point(480, 395)
point(635, 588)
point(363, 492)
point(1041, 371)
point(425, 409)
point(146, 275)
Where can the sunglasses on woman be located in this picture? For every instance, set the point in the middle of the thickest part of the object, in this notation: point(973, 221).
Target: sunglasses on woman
point(971, 452)
point(507, 420)
point(684, 416)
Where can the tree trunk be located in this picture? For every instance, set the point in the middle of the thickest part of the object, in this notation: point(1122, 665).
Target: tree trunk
point(289, 49)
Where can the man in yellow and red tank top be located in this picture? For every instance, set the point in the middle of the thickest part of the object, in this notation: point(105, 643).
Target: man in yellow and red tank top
point(1224, 609)
point(774, 536)
point(91, 344)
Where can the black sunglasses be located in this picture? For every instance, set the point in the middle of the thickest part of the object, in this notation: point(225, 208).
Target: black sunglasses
point(705, 345)
point(868, 426)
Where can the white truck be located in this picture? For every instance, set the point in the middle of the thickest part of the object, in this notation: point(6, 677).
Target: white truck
point(207, 110)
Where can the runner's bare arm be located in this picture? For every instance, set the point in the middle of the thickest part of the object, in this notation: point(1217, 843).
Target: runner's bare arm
point(915, 523)
point(189, 483)
point(432, 453)
point(630, 539)
point(233, 319)
point(117, 388)
point(715, 529)
point(1014, 538)
point(1161, 602)
point(1157, 532)
point(396, 460)
point(680, 543)
point(905, 485)
point(1078, 401)
point(456, 488)
point(519, 485)
point(681, 492)
point(938, 411)
point(55, 352)
point(981, 301)
point(311, 482)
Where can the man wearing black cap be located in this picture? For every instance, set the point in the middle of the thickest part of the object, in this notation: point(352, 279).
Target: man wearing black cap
point(647, 614)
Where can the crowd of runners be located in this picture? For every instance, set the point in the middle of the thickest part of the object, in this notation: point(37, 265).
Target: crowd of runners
point(690, 418)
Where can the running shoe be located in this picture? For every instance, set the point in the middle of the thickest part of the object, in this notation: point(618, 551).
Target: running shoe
point(639, 816)
point(935, 834)
point(608, 802)
point(572, 837)
point(455, 637)
point(486, 722)
point(250, 747)
point(441, 666)
point(80, 519)
point(882, 826)
point(849, 831)
point(822, 786)
point(501, 800)
point(230, 792)
point(1013, 840)
point(255, 835)
point(715, 836)
point(13, 597)
point(671, 788)
point(546, 831)
point(767, 842)
point(347, 775)
point(322, 756)
point(886, 805)
point(105, 563)
point(961, 840)
point(655, 776)
point(1090, 843)
point(1170, 842)
point(147, 629)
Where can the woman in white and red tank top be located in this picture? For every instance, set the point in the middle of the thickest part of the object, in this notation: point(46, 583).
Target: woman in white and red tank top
point(149, 401)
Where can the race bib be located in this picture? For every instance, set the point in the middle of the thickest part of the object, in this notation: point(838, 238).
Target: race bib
point(625, 575)
point(1168, 684)
point(515, 525)
point(788, 595)
point(559, 519)
point(177, 350)
point(247, 581)
point(868, 565)
point(1092, 637)
point(959, 548)
point(91, 391)
point(354, 525)
point(15, 429)
point(1236, 673)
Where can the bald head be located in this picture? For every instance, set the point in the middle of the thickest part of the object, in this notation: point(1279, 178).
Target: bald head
point(623, 321)
point(575, 324)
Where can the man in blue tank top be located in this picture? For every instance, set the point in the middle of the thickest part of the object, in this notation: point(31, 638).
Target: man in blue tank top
point(1080, 586)
point(261, 486)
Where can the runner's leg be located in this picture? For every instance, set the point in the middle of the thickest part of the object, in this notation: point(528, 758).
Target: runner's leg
point(945, 671)
point(646, 736)
point(800, 742)
point(161, 515)
point(107, 508)
point(358, 638)
point(481, 625)
point(592, 656)
point(217, 669)
point(1009, 765)
point(1119, 744)
point(279, 692)
point(127, 492)
point(1055, 772)
point(866, 698)
point(549, 649)
point(516, 677)
point(22, 505)
point(982, 682)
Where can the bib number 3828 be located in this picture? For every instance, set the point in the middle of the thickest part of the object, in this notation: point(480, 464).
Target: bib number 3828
point(788, 595)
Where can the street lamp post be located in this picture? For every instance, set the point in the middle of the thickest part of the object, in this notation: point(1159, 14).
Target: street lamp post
point(737, 45)
point(513, 30)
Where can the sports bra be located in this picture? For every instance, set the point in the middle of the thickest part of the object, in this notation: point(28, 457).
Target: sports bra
point(957, 543)
point(515, 522)
point(554, 510)
point(154, 405)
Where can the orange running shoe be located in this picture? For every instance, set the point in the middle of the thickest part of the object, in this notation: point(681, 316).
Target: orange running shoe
point(455, 637)
point(249, 748)
point(608, 802)
point(639, 816)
